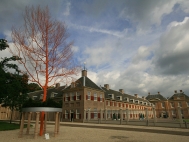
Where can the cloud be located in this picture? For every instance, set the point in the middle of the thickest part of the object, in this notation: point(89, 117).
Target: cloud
point(67, 9)
point(172, 52)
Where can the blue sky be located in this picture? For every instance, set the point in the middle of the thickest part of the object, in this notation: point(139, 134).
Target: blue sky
point(140, 46)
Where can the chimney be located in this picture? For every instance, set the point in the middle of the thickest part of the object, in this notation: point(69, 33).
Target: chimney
point(121, 91)
point(158, 93)
point(136, 95)
point(175, 91)
point(84, 73)
point(148, 93)
point(57, 85)
point(106, 86)
point(143, 98)
point(180, 91)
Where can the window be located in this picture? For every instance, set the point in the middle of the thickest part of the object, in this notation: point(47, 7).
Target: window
point(95, 97)
point(77, 96)
point(163, 105)
point(173, 112)
point(181, 112)
point(108, 113)
point(66, 114)
point(179, 104)
point(89, 95)
point(100, 97)
point(95, 114)
point(72, 96)
point(66, 97)
point(178, 97)
point(77, 114)
point(172, 104)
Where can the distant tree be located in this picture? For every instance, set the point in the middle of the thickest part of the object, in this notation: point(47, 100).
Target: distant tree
point(33, 87)
point(42, 45)
point(3, 44)
point(13, 86)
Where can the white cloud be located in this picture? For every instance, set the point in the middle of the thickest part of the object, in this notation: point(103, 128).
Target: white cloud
point(67, 9)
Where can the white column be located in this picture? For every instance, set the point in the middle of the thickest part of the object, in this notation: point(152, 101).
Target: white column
point(84, 115)
point(105, 114)
point(127, 112)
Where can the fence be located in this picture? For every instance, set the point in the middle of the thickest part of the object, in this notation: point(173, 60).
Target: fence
point(136, 117)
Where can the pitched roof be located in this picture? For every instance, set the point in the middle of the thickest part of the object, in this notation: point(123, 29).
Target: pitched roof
point(57, 91)
point(85, 81)
point(181, 94)
point(156, 96)
point(124, 96)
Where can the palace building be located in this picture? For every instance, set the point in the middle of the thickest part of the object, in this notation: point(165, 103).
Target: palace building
point(83, 99)
point(168, 107)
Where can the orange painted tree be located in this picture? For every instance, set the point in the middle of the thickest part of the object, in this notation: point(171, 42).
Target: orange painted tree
point(42, 44)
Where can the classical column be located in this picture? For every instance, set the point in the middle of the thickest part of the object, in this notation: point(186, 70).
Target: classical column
point(88, 118)
point(28, 125)
point(45, 122)
point(121, 115)
point(84, 115)
point(36, 125)
point(180, 116)
point(146, 112)
point(112, 114)
point(105, 114)
point(22, 125)
point(56, 123)
point(70, 115)
point(127, 112)
point(101, 115)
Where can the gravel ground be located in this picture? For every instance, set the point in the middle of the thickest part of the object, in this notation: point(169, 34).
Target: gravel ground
point(81, 134)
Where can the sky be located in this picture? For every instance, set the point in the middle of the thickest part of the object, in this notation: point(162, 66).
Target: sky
point(140, 46)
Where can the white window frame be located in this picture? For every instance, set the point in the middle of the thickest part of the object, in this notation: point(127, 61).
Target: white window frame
point(173, 112)
point(95, 114)
point(66, 114)
point(179, 104)
point(66, 98)
point(77, 114)
point(172, 105)
point(162, 104)
point(108, 113)
point(72, 96)
point(108, 103)
point(77, 95)
point(88, 95)
point(95, 96)
point(100, 97)
point(187, 104)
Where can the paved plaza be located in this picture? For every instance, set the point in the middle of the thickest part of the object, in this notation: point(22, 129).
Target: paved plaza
point(83, 132)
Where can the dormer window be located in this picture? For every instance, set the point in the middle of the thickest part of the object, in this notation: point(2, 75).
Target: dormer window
point(41, 96)
point(137, 101)
point(53, 94)
point(131, 100)
point(111, 96)
point(141, 102)
point(119, 97)
point(34, 97)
